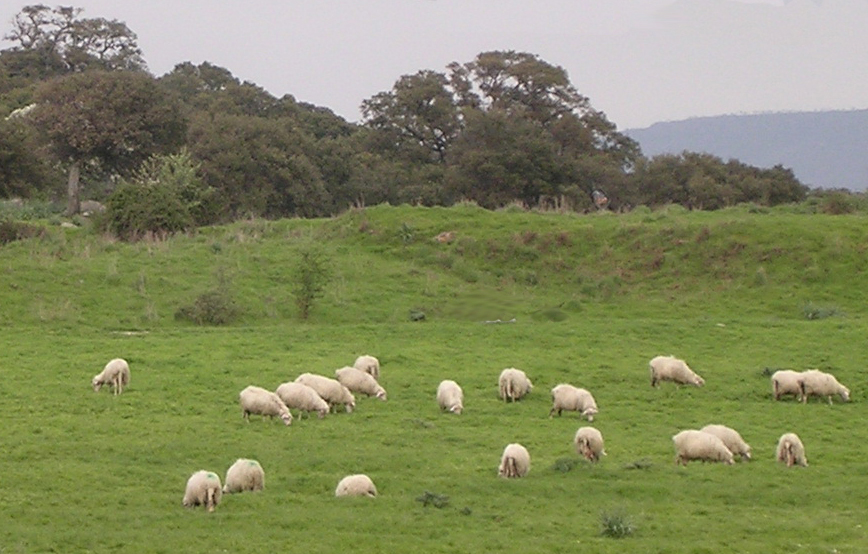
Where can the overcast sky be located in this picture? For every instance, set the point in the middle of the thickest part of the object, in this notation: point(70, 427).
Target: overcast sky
point(639, 61)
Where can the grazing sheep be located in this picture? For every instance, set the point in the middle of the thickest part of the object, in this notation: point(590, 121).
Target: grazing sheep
point(791, 451)
point(697, 445)
point(568, 397)
point(515, 461)
point(329, 390)
point(368, 364)
point(787, 381)
point(360, 381)
point(244, 475)
point(669, 368)
point(450, 397)
point(356, 485)
point(203, 489)
point(256, 400)
point(730, 438)
point(302, 398)
point(817, 383)
point(589, 443)
point(513, 384)
point(115, 373)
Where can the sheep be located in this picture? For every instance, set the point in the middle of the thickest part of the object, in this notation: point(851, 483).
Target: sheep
point(360, 381)
point(698, 445)
point(513, 384)
point(568, 397)
point(302, 398)
point(368, 364)
point(669, 368)
point(817, 383)
point(589, 443)
point(244, 475)
point(791, 451)
point(256, 400)
point(450, 397)
point(515, 461)
point(356, 485)
point(116, 373)
point(203, 489)
point(730, 438)
point(786, 382)
point(329, 390)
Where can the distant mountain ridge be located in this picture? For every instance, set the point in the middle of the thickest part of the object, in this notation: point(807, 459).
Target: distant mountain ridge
point(825, 149)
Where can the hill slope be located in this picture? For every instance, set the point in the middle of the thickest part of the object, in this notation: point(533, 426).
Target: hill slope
point(824, 149)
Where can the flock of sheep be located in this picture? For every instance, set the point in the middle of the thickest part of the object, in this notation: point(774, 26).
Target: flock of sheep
point(317, 393)
point(712, 443)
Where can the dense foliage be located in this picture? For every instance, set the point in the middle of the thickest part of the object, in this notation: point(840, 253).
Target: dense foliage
point(504, 127)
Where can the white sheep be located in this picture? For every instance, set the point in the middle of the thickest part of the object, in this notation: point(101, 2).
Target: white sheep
point(515, 461)
point(368, 364)
point(787, 381)
point(450, 397)
point(513, 384)
point(791, 451)
point(256, 400)
point(329, 390)
point(568, 397)
point(298, 396)
point(730, 438)
point(356, 485)
point(589, 443)
point(817, 383)
point(244, 475)
point(115, 373)
point(697, 445)
point(203, 489)
point(670, 368)
point(359, 381)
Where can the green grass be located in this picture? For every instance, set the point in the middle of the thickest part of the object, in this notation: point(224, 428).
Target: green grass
point(594, 298)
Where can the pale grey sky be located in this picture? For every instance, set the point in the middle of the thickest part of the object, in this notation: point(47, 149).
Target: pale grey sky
point(639, 61)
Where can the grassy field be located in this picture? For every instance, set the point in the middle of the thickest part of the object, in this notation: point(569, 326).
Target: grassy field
point(736, 293)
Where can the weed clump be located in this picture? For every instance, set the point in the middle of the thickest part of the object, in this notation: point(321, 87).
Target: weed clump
point(433, 499)
point(213, 307)
point(616, 524)
point(565, 465)
point(813, 311)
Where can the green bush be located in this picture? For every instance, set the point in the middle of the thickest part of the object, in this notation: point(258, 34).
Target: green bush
point(311, 276)
point(213, 307)
point(165, 196)
point(11, 231)
point(616, 524)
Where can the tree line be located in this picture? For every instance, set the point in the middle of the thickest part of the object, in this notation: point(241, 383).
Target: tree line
point(82, 117)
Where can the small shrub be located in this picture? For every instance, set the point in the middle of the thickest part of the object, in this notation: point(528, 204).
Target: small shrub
point(312, 274)
point(643, 463)
point(213, 307)
point(11, 231)
point(616, 524)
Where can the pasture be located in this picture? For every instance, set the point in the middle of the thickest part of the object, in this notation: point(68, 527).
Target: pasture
point(735, 293)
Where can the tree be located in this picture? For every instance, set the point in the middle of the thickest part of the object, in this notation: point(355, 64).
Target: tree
point(419, 112)
point(118, 118)
point(64, 43)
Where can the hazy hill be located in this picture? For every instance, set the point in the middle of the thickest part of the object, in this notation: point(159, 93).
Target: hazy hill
point(824, 149)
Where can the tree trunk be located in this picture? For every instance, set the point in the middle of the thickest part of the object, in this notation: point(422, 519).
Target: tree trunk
point(73, 198)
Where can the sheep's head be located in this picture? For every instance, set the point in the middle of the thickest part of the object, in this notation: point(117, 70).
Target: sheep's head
point(96, 383)
point(286, 417)
point(590, 413)
point(456, 409)
point(381, 394)
point(698, 381)
point(350, 406)
point(845, 394)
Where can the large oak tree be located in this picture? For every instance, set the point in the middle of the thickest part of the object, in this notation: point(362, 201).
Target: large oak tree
point(118, 118)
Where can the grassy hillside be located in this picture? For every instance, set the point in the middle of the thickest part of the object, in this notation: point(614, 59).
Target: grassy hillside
point(593, 297)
